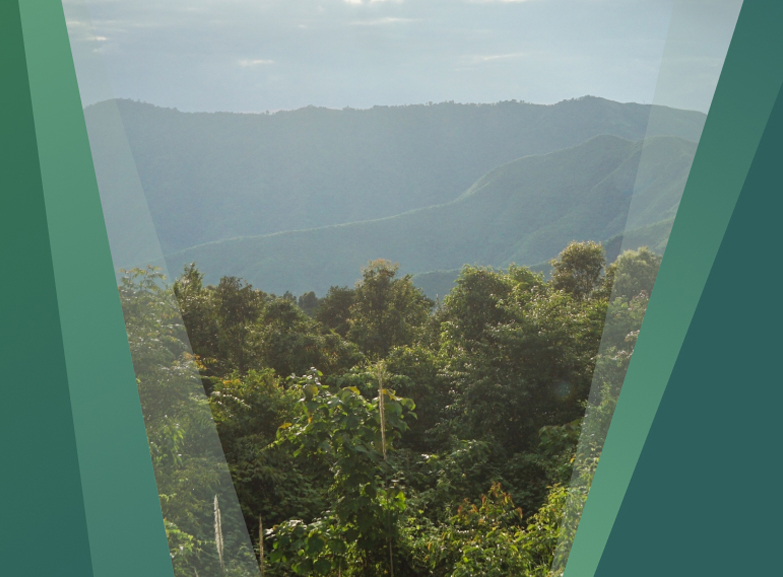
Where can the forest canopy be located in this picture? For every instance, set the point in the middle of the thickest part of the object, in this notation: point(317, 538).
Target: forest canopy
point(375, 431)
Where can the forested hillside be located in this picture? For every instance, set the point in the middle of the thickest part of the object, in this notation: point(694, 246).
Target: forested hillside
point(209, 177)
point(374, 433)
point(369, 428)
point(522, 212)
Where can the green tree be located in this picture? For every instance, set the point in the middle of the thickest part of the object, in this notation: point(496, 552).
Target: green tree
point(356, 436)
point(633, 272)
point(417, 372)
point(309, 303)
point(474, 304)
point(577, 270)
point(386, 310)
point(197, 311)
point(237, 306)
point(271, 484)
point(500, 374)
point(334, 309)
point(489, 538)
point(186, 457)
point(525, 361)
point(290, 342)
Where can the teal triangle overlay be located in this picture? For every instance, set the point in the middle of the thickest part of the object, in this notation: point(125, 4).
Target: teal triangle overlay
point(43, 530)
point(749, 85)
point(118, 496)
point(705, 497)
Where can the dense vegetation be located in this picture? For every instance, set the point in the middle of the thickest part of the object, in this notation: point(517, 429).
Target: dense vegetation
point(376, 432)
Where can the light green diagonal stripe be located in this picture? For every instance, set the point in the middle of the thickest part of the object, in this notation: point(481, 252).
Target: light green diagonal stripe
point(749, 84)
point(42, 526)
point(124, 521)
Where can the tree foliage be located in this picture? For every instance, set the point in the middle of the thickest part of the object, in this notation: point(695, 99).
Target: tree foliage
point(386, 310)
point(577, 270)
point(314, 403)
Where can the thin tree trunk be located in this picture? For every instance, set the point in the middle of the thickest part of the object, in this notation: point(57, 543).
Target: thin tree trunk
point(261, 545)
point(391, 557)
point(381, 396)
point(381, 408)
point(219, 535)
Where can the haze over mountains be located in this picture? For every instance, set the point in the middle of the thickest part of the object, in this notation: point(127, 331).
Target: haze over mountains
point(300, 200)
point(523, 212)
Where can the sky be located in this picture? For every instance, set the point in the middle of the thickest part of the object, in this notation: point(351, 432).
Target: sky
point(267, 55)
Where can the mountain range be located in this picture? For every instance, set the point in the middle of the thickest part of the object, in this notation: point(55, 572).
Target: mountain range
point(523, 212)
point(300, 200)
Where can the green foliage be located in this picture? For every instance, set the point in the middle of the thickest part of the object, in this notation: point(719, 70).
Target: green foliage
point(348, 486)
point(386, 310)
point(577, 270)
point(187, 465)
point(633, 273)
point(520, 355)
point(621, 329)
point(237, 307)
point(237, 328)
point(417, 371)
point(271, 484)
point(289, 341)
point(197, 311)
point(474, 305)
point(486, 537)
point(309, 303)
point(490, 538)
point(356, 437)
point(335, 309)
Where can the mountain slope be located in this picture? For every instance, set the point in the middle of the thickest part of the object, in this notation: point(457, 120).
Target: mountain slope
point(525, 211)
point(210, 176)
point(437, 283)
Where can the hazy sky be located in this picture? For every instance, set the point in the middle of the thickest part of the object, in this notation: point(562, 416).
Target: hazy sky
point(256, 55)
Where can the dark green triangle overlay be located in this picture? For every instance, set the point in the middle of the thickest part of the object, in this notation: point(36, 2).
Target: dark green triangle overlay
point(43, 530)
point(77, 475)
point(747, 91)
point(705, 497)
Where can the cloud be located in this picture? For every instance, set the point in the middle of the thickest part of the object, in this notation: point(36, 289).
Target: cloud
point(72, 24)
point(381, 21)
point(82, 31)
point(256, 62)
point(498, 1)
point(358, 2)
point(493, 57)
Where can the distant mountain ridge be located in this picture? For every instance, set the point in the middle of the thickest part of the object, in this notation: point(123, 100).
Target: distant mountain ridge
point(213, 176)
point(523, 212)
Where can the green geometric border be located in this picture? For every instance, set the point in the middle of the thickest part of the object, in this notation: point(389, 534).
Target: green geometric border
point(748, 88)
point(705, 491)
point(40, 478)
point(83, 499)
